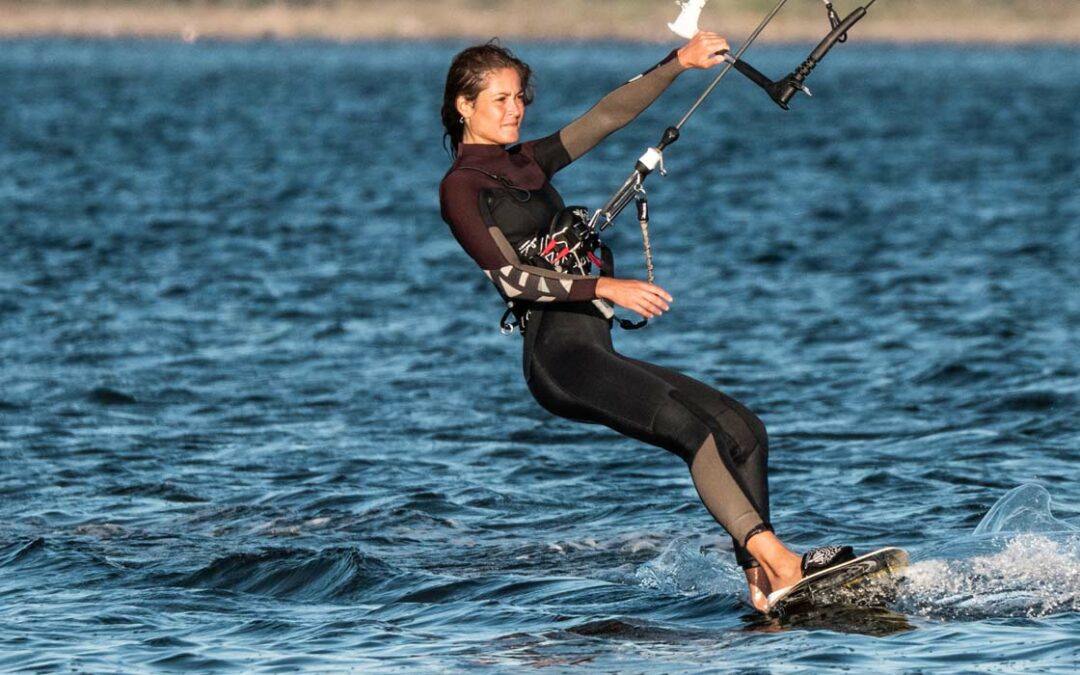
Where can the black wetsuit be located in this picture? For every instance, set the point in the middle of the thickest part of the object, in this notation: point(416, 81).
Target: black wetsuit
point(496, 198)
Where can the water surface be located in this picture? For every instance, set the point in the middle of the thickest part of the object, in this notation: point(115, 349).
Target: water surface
point(255, 412)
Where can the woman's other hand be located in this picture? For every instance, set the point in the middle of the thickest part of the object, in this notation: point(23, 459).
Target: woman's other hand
point(704, 50)
point(648, 300)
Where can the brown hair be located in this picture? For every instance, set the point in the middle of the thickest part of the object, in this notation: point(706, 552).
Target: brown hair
point(468, 77)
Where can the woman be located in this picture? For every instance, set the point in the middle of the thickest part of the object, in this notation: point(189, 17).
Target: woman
point(498, 199)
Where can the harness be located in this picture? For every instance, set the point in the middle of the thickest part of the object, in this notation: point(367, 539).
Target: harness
point(568, 246)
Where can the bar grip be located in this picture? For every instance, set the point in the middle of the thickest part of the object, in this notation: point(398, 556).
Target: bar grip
point(786, 88)
point(753, 74)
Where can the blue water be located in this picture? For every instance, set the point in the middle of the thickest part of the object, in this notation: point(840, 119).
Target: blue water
point(255, 411)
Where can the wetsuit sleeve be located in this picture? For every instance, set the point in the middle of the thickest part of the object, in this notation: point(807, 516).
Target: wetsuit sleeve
point(612, 113)
point(460, 198)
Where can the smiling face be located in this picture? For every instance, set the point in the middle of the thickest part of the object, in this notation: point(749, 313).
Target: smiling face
point(494, 117)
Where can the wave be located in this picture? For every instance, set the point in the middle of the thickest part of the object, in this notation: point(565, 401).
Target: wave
point(295, 574)
point(684, 567)
point(1023, 510)
point(1020, 561)
point(20, 551)
point(106, 396)
point(39, 562)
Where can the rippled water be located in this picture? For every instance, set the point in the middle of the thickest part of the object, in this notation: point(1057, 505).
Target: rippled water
point(256, 412)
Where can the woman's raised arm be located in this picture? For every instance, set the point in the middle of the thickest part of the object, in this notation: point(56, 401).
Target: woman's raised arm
point(621, 106)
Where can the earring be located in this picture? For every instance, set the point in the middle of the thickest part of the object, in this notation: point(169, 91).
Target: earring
point(462, 119)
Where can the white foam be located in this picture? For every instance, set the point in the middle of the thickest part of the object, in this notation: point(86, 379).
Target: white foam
point(1032, 576)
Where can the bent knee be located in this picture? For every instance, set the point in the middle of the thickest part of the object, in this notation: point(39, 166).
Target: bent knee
point(758, 430)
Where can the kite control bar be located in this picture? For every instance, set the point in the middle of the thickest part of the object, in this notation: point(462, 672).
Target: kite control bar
point(780, 91)
point(654, 157)
point(783, 90)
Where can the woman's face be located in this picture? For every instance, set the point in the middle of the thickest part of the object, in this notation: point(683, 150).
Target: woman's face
point(494, 118)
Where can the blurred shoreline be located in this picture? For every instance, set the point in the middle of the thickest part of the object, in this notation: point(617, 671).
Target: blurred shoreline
point(958, 21)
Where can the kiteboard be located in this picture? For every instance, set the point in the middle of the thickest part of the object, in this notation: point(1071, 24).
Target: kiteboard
point(868, 580)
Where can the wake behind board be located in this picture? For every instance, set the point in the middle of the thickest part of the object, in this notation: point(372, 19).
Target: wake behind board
point(867, 579)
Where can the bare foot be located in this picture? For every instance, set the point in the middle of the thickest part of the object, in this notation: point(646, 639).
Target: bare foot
point(759, 587)
point(781, 567)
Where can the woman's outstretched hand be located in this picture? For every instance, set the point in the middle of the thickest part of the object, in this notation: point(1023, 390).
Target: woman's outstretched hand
point(648, 300)
point(704, 50)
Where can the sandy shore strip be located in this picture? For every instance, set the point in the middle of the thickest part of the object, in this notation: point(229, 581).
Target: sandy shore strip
point(959, 21)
